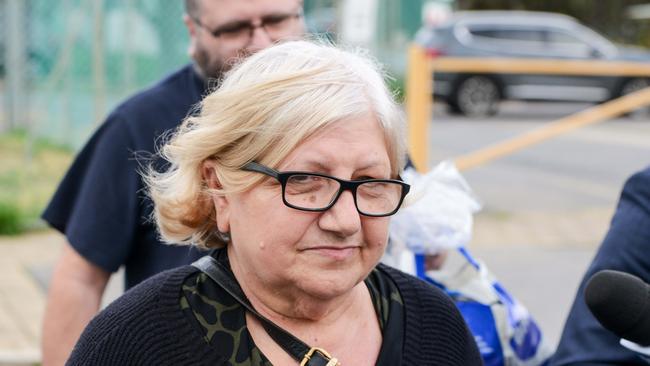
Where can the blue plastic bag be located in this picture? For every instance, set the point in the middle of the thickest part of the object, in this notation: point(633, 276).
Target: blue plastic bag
point(504, 330)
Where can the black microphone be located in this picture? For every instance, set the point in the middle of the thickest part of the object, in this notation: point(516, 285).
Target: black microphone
point(621, 303)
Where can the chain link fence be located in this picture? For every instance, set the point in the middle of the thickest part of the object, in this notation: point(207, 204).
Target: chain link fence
point(74, 60)
point(65, 64)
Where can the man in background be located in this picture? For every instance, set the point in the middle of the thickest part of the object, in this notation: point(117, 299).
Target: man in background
point(100, 206)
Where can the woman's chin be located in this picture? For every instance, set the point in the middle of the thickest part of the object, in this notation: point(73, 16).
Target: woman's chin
point(329, 284)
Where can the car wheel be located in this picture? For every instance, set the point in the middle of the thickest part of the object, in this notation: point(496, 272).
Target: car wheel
point(631, 86)
point(476, 96)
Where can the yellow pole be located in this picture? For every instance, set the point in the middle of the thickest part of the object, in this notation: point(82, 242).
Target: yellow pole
point(589, 116)
point(539, 66)
point(418, 106)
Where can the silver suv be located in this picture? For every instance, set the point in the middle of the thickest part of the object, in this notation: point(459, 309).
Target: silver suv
point(529, 35)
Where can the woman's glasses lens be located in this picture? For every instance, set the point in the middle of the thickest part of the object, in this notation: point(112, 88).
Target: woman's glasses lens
point(313, 192)
point(378, 198)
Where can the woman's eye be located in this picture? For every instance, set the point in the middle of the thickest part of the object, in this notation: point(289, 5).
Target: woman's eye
point(300, 178)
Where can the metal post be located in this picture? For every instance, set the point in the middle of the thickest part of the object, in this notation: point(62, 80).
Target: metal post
point(128, 61)
point(15, 60)
point(98, 68)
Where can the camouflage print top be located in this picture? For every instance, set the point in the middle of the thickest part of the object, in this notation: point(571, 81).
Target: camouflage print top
point(222, 322)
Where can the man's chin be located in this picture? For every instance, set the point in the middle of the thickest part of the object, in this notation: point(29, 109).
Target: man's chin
point(209, 73)
point(208, 70)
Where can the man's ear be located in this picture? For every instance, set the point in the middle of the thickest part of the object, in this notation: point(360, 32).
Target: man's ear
point(220, 201)
point(191, 29)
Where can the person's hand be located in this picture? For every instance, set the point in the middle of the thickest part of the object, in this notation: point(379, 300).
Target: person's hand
point(433, 262)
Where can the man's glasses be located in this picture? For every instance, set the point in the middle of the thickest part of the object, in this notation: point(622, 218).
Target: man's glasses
point(276, 26)
point(319, 192)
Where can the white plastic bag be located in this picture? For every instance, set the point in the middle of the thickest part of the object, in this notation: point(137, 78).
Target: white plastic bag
point(437, 214)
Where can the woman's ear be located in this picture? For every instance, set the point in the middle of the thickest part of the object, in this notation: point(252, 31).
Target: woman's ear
point(209, 174)
point(220, 201)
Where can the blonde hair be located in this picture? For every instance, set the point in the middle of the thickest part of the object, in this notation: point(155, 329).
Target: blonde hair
point(263, 109)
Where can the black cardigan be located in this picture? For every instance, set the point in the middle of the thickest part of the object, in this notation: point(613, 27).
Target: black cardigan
point(147, 327)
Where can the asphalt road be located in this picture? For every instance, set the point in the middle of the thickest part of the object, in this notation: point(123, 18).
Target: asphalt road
point(580, 172)
point(584, 168)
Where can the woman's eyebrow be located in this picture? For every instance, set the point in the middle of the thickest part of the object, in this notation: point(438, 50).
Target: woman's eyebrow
point(312, 165)
point(318, 166)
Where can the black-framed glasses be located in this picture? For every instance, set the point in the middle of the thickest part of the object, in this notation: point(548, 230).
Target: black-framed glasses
point(275, 25)
point(319, 192)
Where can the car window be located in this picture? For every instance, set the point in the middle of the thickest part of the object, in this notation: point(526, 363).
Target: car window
point(566, 45)
point(509, 34)
point(562, 37)
point(518, 41)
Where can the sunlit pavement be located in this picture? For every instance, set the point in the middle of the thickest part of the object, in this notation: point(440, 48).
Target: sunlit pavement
point(26, 264)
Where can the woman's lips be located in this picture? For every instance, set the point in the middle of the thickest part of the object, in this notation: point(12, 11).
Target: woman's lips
point(336, 253)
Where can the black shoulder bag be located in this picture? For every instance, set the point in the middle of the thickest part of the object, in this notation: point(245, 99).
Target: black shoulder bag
point(223, 276)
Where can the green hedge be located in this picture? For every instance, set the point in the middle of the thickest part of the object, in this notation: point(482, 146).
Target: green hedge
point(30, 171)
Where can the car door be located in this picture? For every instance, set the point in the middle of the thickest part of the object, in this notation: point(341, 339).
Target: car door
point(576, 44)
point(536, 41)
point(518, 40)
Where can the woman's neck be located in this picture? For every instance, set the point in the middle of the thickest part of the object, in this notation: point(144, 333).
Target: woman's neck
point(316, 321)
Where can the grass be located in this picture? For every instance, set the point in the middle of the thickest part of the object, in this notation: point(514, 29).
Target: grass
point(29, 174)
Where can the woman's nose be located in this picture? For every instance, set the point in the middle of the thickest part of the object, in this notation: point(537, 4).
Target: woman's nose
point(342, 217)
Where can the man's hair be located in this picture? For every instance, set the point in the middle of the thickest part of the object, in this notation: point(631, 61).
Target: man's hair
point(265, 107)
point(192, 8)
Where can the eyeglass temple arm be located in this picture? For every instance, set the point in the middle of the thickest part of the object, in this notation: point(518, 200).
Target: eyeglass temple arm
point(255, 167)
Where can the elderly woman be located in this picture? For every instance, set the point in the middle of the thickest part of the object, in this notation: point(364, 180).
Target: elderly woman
point(290, 172)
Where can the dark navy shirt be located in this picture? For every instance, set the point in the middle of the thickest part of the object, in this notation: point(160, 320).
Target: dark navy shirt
point(101, 206)
point(626, 248)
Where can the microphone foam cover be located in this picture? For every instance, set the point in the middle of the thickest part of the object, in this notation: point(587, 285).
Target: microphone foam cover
point(621, 303)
